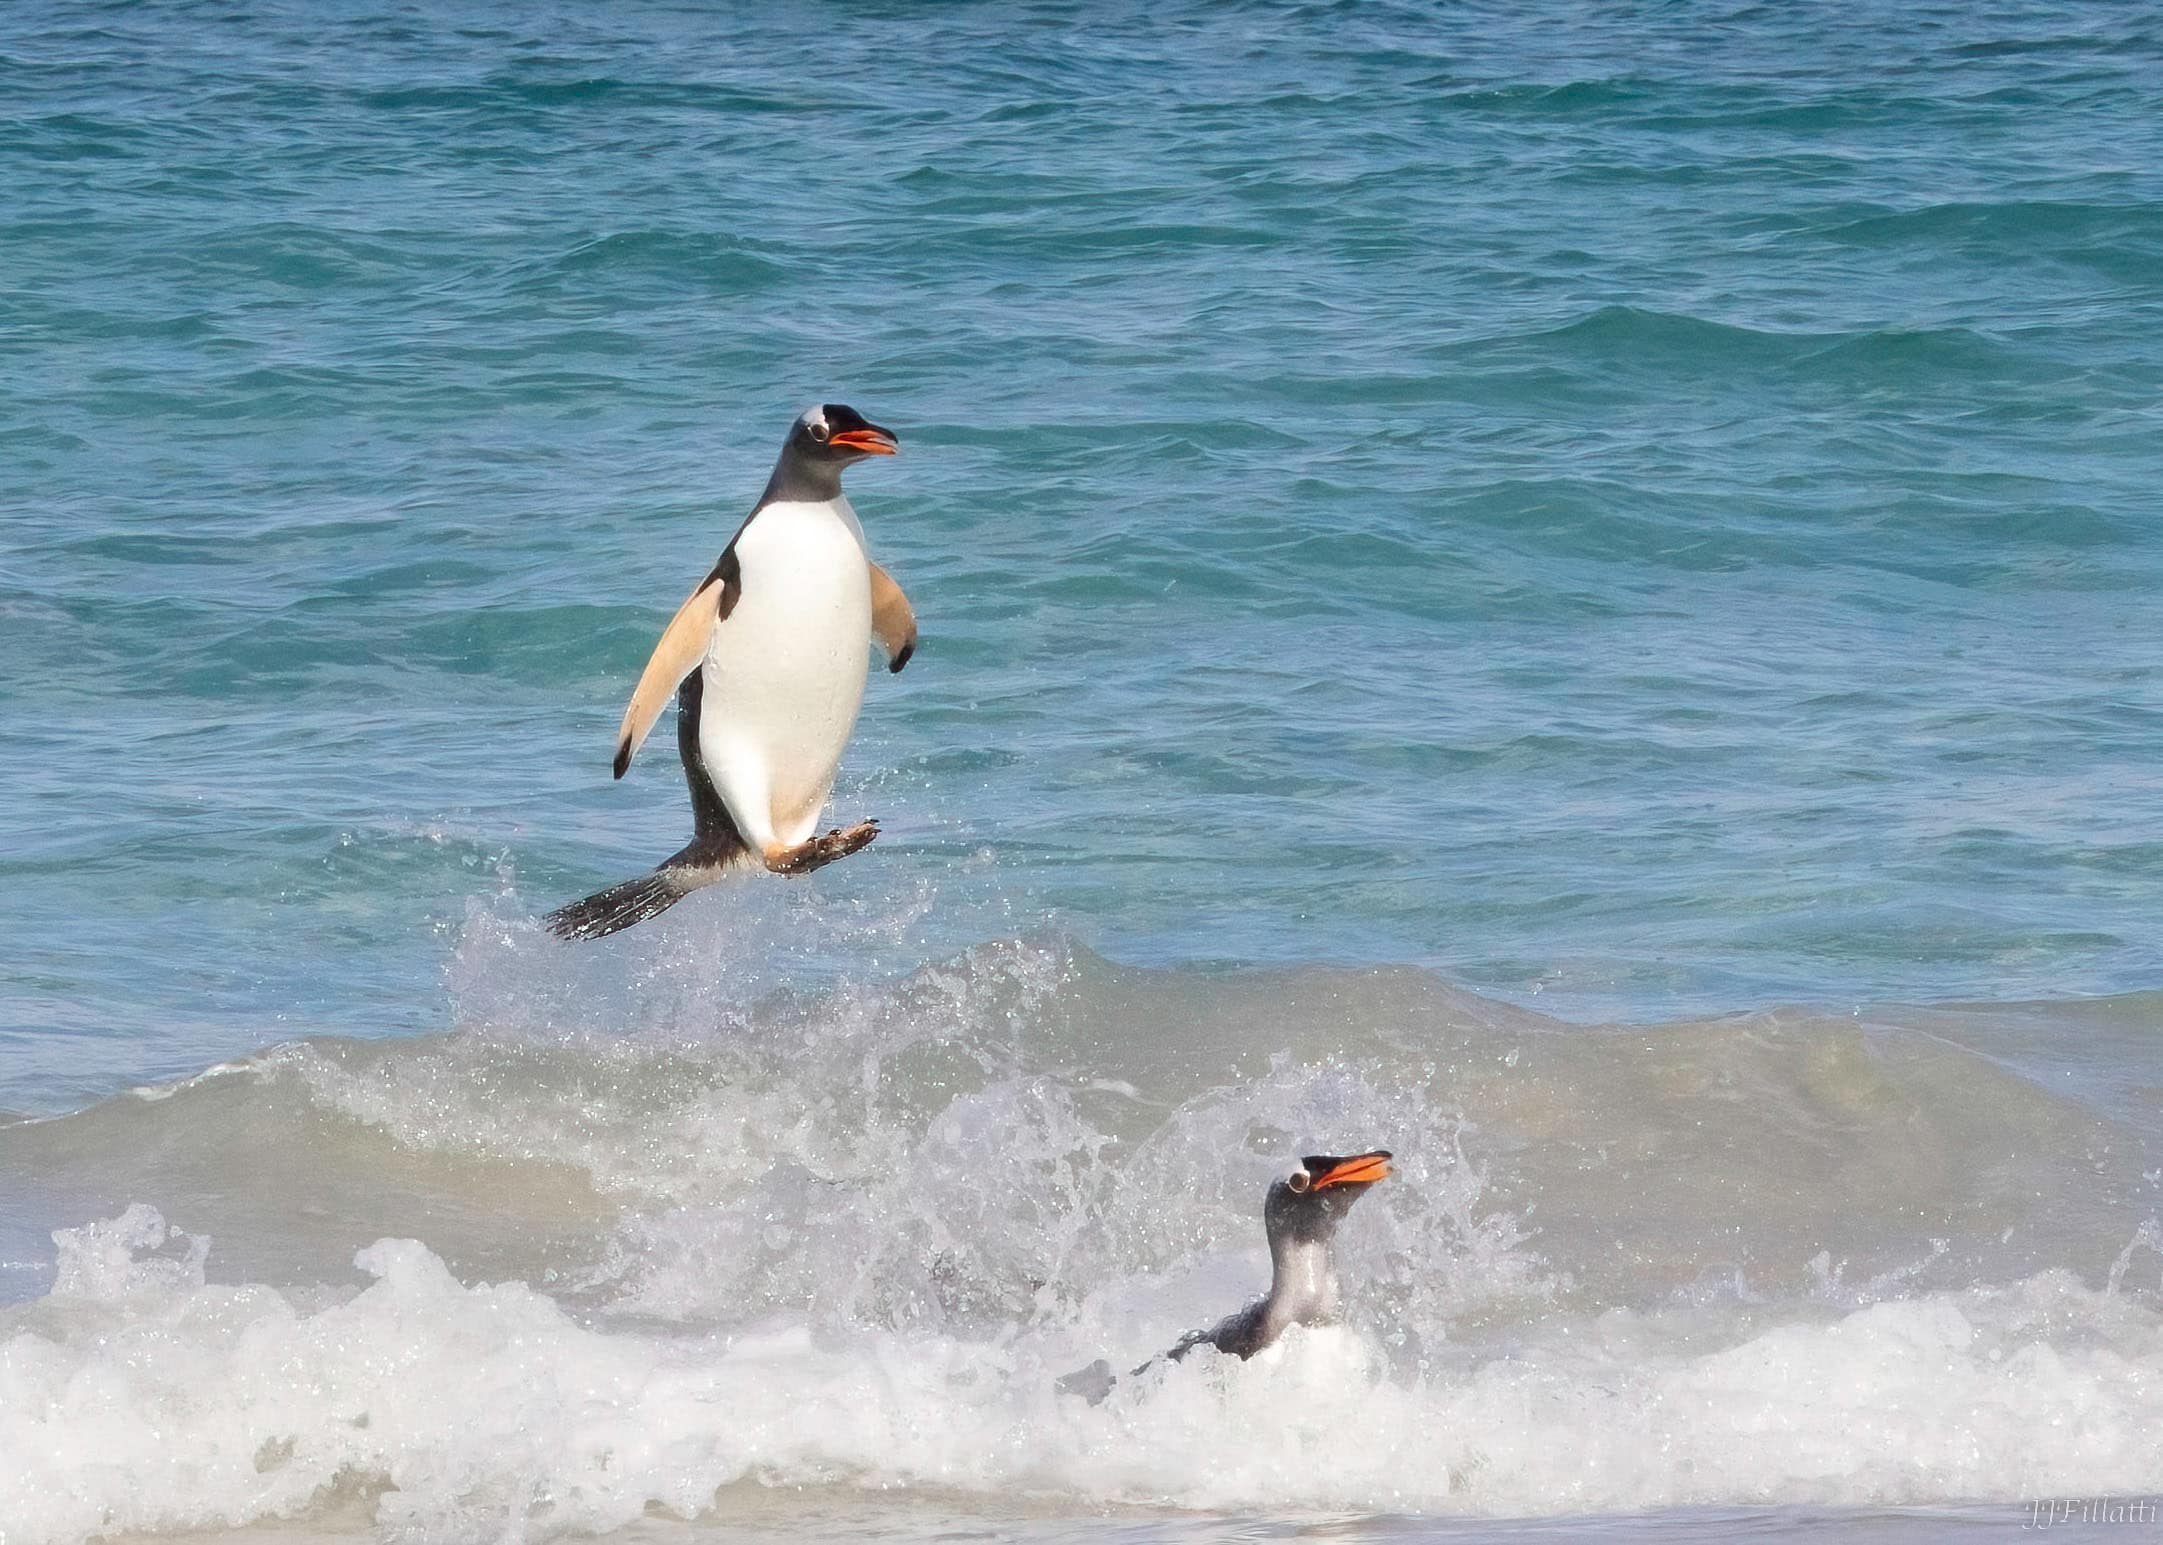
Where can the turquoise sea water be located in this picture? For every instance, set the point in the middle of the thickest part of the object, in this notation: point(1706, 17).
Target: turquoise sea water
point(1644, 513)
point(1656, 511)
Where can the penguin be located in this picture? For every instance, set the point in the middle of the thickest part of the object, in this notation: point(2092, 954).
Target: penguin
point(1300, 1216)
point(767, 664)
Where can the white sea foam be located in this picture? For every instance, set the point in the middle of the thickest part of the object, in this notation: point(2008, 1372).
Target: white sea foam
point(141, 1397)
point(851, 1240)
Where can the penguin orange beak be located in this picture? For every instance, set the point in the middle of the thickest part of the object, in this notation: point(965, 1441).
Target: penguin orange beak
point(870, 440)
point(1360, 1170)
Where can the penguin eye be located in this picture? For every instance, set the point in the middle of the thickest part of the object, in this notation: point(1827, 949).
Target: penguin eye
point(818, 433)
point(1298, 1180)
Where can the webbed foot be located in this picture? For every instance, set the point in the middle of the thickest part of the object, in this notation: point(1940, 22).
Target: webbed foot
point(821, 851)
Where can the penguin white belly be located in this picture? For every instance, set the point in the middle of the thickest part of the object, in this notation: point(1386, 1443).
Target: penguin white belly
point(785, 671)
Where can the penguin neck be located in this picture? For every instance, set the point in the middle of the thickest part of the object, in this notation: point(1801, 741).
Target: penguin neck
point(1302, 1282)
point(798, 480)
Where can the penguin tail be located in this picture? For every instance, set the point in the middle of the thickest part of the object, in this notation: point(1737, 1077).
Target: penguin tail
point(617, 908)
point(712, 853)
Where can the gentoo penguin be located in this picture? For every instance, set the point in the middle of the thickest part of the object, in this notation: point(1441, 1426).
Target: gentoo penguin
point(767, 663)
point(1300, 1216)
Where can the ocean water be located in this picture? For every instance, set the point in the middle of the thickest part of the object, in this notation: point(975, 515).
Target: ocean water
point(1571, 591)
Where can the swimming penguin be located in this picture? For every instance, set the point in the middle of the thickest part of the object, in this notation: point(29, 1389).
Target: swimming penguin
point(1300, 1215)
point(766, 660)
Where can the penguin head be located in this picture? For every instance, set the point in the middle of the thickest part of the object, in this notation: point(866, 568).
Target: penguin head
point(1308, 1204)
point(834, 434)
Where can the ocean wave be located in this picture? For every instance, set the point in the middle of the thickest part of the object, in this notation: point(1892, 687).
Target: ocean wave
point(593, 1098)
point(151, 1399)
point(639, 1236)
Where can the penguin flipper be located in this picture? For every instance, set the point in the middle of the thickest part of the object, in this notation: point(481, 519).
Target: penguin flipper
point(893, 620)
point(1240, 1335)
point(1092, 1383)
point(683, 645)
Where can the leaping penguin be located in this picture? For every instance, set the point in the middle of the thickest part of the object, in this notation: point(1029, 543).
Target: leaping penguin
point(1300, 1216)
point(766, 660)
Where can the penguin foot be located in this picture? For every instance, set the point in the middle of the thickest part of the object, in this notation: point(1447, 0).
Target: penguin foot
point(821, 851)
